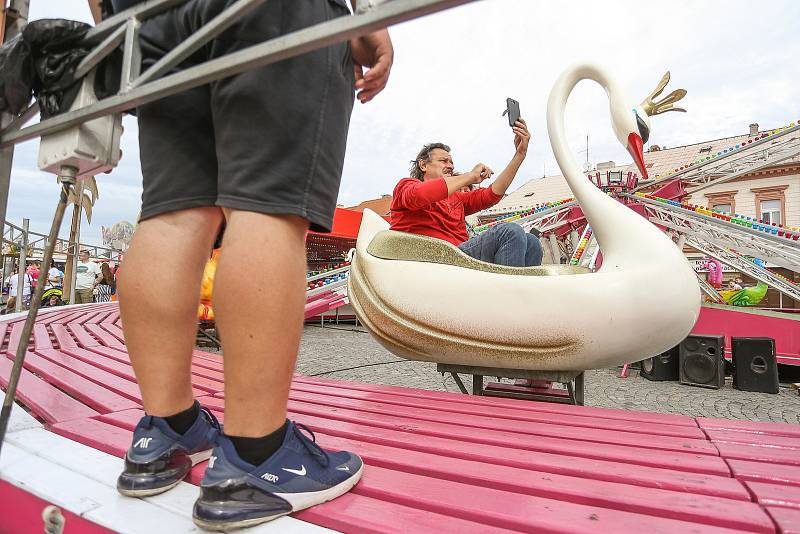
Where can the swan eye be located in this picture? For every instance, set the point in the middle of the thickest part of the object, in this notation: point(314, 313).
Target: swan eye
point(644, 131)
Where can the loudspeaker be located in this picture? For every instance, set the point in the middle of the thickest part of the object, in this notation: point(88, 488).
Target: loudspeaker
point(665, 366)
point(701, 361)
point(754, 365)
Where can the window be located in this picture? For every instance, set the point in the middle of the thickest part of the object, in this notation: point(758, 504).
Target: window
point(771, 203)
point(722, 201)
point(722, 208)
point(771, 211)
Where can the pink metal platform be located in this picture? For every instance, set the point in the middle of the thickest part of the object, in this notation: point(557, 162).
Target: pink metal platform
point(436, 462)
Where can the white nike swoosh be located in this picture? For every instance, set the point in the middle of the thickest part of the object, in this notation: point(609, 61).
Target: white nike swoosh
point(301, 471)
point(343, 468)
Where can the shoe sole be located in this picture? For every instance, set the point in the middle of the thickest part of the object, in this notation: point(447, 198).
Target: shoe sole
point(298, 501)
point(196, 458)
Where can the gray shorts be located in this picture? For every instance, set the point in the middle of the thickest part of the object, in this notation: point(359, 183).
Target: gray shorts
point(269, 140)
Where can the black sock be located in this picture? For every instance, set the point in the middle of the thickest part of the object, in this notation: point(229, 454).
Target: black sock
point(255, 450)
point(183, 421)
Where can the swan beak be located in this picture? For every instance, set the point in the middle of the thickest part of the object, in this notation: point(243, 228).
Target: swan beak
point(636, 150)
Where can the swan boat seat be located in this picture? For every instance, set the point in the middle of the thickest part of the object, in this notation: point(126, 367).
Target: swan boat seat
point(393, 245)
point(423, 299)
point(403, 321)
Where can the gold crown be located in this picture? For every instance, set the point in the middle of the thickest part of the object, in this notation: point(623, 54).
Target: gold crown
point(662, 106)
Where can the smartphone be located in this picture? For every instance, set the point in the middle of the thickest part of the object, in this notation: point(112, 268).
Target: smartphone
point(512, 108)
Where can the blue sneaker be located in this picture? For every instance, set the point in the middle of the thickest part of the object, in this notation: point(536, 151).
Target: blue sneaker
point(236, 494)
point(160, 458)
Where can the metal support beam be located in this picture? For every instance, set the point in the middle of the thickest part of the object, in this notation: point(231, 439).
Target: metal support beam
point(280, 48)
point(23, 118)
point(22, 272)
point(555, 248)
point(542, 220)
point(213, 28)
point(709, 290)
point(67, 180)
point(765, 152)
point(745, 265)
point(141, 11)
point(100, 52)
point(772, 248)
point(16, 16)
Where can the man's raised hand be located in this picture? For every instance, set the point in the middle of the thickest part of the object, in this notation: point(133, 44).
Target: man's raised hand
point(480, 172)
point(521, 137)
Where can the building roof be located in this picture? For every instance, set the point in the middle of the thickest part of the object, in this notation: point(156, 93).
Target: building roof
point(378, 205)
point(659, 161)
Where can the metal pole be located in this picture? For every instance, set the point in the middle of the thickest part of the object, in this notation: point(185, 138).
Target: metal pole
point(67, 180)
point(548, 251)
point(77, 247)
point(23, 260)
point(681, 242)
point(555, 248)
point(15, 18)
point(69, 250)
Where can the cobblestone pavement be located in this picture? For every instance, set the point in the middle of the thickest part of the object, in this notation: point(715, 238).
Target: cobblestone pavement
point(333, 352)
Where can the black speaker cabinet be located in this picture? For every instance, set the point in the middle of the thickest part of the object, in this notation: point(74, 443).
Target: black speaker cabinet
point(702, 362)
point(754, 365)
point(665, 366)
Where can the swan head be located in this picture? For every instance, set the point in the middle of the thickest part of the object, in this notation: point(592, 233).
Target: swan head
point(632, 121)
point(632, 128)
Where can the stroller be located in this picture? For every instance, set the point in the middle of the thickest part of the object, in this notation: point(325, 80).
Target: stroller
point(52, 292)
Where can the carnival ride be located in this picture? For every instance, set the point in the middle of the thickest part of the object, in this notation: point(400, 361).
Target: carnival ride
point(410, 290)
point(744, 296)
point(594, 469)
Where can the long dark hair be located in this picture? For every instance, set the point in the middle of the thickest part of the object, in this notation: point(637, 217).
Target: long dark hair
point(108, 276)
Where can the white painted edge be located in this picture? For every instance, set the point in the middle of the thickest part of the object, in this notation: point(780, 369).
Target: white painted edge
point(82, 480)
point(21, 420)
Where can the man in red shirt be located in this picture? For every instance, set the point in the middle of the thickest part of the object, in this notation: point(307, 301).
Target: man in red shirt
point(432, 203)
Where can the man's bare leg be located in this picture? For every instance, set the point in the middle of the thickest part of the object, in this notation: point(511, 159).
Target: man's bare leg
point(159, 291)
point(259, 291)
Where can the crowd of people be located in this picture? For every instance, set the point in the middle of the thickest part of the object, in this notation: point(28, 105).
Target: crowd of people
point(93, 283)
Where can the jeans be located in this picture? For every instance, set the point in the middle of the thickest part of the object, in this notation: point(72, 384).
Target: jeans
point(505, 244)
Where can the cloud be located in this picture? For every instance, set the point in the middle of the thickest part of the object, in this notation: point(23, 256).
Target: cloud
point(454, 70)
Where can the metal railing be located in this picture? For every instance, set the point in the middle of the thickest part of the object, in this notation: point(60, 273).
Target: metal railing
point(137, 89)
point(36, 243)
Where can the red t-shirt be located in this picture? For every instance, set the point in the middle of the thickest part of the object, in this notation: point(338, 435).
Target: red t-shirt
point(424, 208)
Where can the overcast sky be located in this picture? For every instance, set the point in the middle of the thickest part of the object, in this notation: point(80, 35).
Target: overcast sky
point(453, 72)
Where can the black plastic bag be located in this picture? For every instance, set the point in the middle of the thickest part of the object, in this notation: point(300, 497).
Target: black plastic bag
point(42, 61)
point(57, 52)
point(16, 75)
